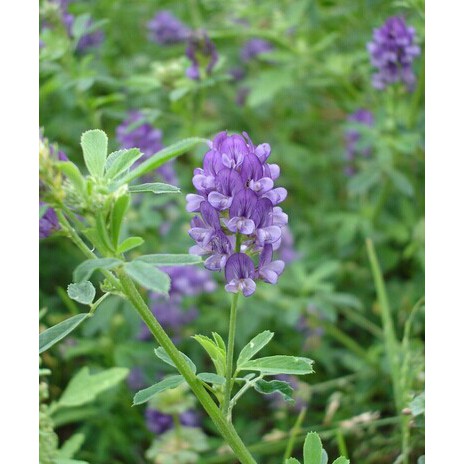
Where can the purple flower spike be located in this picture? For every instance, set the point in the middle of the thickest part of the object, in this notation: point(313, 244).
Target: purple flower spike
point(269, 270)
point(393, 50)
point(165, 29)
point(237, 199)
point(239, 272)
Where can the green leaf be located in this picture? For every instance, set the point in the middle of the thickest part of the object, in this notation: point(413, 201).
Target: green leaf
point(279, 365)
point(341, 460)
point(210, 377)
point(82, 292)
point(156, 188)
point(363, 181)
point(417, 405)
point(274, 386)
point(42, 210)
point(325, 457)
point(95, 148)
point(312, 449)
point(170, 260)
point(71, 446)
point(120, 161)
point(84, 388)
point(87, 268)
point(216, 353)
point(219, 341)
point(56, 333)
point(292, 461)
point(147, 394)
point(161, 353)
point(254, 345)
point(163, 156)
point(401, 182)
point(118, 212)
point(71, 171)
point(149, 276)
point(129, 244)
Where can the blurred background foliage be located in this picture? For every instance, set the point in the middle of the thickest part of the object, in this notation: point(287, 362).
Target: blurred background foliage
point(297, 96)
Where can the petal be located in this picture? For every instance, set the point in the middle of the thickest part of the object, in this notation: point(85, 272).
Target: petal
point(219, 201)
point(263, 151)
point(243, 204)
point(232, 286)
point(279, 218)
point(262, 213)
point(265, 256)
point(193, 202)
point(239, 266)
point(248, 287)
point(210, 215)
point(276, 195)
point(245, 226)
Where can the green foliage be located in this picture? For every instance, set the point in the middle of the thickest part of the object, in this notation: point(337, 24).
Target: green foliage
point(85, 387)
point(274, 386)
point(85, 270)
point(156, 188)
point(120, 161)
point(279, 364)
point(161, 353)
point(147, 394)
point(253, 346)
point(216, 352)
point(82, 292)
point(148, 276)
point(56, 333)
point(312, 449)
point(170, 260)
point(95, 149)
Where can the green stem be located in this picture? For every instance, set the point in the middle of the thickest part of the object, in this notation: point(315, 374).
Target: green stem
point(391, 342)
point(224, 427)
point(230, 357)
point(293, 434)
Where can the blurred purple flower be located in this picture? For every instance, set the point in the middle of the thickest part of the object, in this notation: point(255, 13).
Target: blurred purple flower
point(393, 50)
point(87, 39)
point(352, 138)
point(186, 281)
point(254, 48)
point(165, 29)
point(48, 223)
point(159, 423)
point(200, 49)
point(136, 379)
point(135, 132)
